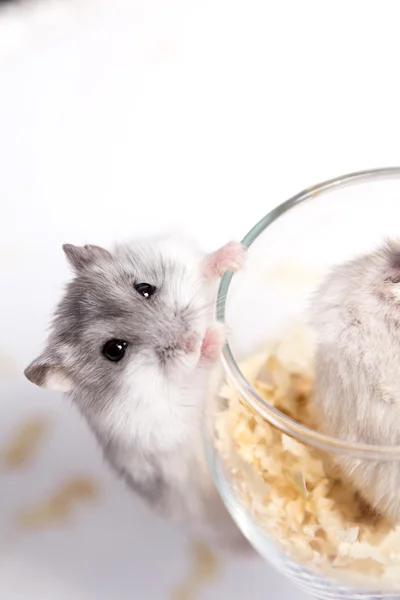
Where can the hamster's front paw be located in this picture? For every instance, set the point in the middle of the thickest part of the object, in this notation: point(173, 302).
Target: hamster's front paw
point(213, 342)
point(230, 257)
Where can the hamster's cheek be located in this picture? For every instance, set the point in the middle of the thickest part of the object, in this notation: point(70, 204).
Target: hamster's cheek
point(143, 371)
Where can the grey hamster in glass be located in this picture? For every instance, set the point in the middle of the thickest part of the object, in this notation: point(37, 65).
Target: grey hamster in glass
point(356, 317)
point(133, 342)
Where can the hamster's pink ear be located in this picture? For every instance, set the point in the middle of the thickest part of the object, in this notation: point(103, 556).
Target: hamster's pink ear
point(48, 374)
point(393, 249)
point(80, 257)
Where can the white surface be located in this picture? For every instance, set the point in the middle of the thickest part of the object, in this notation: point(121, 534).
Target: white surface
point(122, 116)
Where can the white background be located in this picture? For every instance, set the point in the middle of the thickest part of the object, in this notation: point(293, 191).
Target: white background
point(119, 117)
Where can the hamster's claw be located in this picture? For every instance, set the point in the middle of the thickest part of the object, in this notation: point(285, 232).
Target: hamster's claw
point(213, 342)
point(230, 257)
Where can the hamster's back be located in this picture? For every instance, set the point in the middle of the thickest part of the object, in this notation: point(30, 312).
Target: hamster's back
point(357, 362)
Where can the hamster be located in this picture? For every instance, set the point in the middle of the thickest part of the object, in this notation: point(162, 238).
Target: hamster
point(356, 318)
point(133, 343)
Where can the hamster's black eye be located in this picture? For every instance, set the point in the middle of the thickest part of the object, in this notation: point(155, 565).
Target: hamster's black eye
point(114, 350)
point(145, 289)
point(393, 279)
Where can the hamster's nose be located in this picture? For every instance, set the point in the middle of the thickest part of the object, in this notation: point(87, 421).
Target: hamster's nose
point(188, 341)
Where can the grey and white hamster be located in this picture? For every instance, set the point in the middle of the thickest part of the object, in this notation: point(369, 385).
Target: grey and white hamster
point(356, 317)
point(133, 343)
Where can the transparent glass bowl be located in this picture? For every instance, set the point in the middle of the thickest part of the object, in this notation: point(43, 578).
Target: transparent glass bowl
point(272, 469)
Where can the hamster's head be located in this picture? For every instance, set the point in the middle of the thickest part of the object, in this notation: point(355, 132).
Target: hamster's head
point(128, 318)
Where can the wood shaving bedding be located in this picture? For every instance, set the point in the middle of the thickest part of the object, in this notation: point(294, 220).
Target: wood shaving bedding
point(294, 491)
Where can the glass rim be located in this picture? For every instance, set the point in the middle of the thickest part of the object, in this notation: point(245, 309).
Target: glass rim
point(271, 414)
